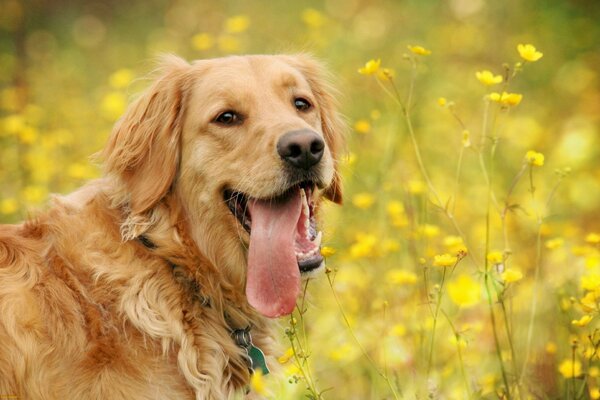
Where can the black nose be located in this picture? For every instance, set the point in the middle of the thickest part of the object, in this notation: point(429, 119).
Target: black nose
point(301, 149)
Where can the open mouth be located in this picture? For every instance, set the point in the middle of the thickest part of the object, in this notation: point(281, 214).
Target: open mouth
point(284, 243)
point(307, 238)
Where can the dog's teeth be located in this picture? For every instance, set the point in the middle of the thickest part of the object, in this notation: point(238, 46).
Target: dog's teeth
point(301, 255)
point(305, 208)
point(317, 240)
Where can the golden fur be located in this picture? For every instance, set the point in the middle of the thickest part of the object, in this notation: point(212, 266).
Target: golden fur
point(87, 311)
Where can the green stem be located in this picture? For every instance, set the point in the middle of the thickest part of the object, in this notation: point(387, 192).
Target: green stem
point(536, 278)
point(359, 344)
point(495, 332)
point(459, 353)
point(487, 269)
point(435, 318)
point(507, 326)
point(457, 178)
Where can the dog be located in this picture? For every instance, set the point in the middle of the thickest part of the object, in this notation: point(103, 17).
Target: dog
point(157, 280)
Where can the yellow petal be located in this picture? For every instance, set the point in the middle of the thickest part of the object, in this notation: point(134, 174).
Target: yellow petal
point(419, 50)
point(528, 52)
point(370, 68)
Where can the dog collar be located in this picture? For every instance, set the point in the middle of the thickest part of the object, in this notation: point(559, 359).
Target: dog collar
point(254, 356)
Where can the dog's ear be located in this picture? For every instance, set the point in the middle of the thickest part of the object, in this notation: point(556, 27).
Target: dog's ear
point(143, 150)
point(332, 123)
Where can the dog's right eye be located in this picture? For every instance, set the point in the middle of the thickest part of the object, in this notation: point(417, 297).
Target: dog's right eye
point(228, 118)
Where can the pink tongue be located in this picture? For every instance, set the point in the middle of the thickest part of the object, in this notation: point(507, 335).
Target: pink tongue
point(273, 281)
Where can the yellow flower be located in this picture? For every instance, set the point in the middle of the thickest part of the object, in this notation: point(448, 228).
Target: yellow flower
point(364, 246)
point(442, 101)
point(327, 251)
point(444, 260)
point(370, 68)
point(14, 123)
point(429, 231)
point(528, 52)
point(464, 291)
point(594, 393)
point(375, 115)
point(285, 357)
point(592, 261)
point(395, 208)
point(592, 238)
point(121, 78)
point(257, 382)
point(28, 135)
point(292, 370)
point(570, 369)
point(511, 275)
point(534, 158)
point(416, 187)
point(362, 126)
point(398, 330)
point(466, 138)
point(495, 257)
point(363, 200)
point(313, 18)
point(583, 321)
point(9, 206)
point(589, 302)
point(203, 41)
point(553, 244)
point(454, 244)
point(399, 276)
point(507, 99)
point(591, 281)
point(419, 50)
point(113, 104)
point(488, 78)
point(237, 24)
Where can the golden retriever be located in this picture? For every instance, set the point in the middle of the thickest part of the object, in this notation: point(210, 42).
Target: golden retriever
point(144, 284)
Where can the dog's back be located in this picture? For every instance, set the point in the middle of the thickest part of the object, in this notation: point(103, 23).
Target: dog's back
point(62, 331)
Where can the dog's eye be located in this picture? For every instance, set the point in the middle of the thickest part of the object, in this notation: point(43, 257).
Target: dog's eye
point(302, 104)
point(228, 118)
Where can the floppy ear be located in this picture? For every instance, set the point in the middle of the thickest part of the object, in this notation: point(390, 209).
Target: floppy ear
point(143, 149)
point(333, 125)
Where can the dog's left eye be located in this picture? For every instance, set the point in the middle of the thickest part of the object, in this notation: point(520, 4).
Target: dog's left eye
point(228, 118)
point(302, 104)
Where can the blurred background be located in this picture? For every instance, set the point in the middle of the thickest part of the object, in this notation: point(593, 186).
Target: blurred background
point(515, 318)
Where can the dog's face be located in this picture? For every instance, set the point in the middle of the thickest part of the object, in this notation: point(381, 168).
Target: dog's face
point(248, 145)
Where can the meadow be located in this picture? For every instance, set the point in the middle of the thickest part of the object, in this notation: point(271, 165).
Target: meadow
point(465, 262)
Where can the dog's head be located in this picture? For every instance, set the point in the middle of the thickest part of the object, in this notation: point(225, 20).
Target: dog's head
point(247, 145)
